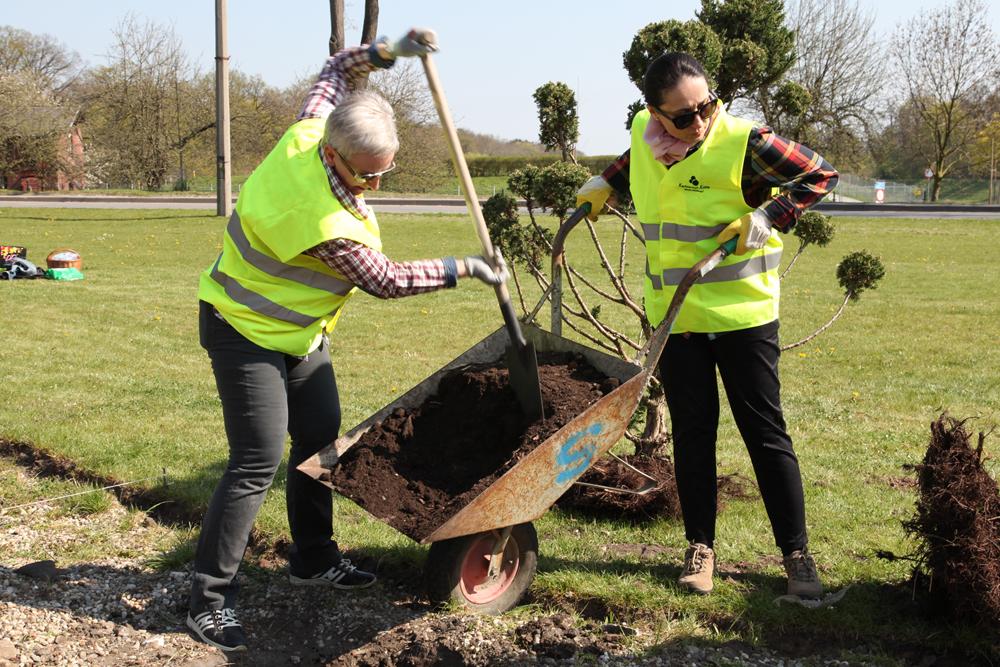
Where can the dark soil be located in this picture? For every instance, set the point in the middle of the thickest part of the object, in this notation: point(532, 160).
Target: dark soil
point(661, 502)
point(957, 526)
point(154, 500)
point(418, 467)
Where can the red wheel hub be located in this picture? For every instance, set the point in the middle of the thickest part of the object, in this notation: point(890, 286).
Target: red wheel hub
point(477, 586)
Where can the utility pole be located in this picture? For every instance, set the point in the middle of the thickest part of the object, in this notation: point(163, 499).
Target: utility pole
point(223, 166)
point(993, 166)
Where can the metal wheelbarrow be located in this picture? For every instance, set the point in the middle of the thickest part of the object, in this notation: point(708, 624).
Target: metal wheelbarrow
point(484, 554)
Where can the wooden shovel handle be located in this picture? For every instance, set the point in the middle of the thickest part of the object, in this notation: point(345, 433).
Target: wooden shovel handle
point(462, 169)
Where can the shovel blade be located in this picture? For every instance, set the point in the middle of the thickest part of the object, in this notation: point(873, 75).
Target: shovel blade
point(522, 365)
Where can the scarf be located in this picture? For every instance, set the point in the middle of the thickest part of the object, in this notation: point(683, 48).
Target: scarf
point(666, 148)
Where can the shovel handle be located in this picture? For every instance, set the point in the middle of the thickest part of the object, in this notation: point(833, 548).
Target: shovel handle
point(471, 200)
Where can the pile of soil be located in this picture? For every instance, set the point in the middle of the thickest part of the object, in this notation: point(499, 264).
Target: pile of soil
point(662, 502)
point(957, 526)
point(418, 467)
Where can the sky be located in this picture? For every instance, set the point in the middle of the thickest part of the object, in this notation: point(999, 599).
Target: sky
point(493, 55)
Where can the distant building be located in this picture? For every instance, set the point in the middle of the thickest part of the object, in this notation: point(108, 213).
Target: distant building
point(68, 174)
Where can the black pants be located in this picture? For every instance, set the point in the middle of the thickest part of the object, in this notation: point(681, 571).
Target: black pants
point(748, 363)
point(265, 394)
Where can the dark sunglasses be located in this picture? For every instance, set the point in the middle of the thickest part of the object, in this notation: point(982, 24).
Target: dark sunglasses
point(362, 177)
point(685, 119)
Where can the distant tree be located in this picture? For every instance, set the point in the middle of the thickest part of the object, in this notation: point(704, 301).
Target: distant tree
point(369, 29)
point(985, 158)
point(53, 66)
point(423, 153)
point(259, 115)
point(31, 121)
point(558, 123)
point(830, 96)
point(143, 106)
point(900, 149)
point(475, 143)
point(947, 59)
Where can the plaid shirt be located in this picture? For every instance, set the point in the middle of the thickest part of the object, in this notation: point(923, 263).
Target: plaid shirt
point(802, 174)
point(379, 276)
point(367, 268)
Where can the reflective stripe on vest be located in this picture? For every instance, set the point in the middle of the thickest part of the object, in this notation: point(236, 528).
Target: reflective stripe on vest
point(675, 232)
point(744, 269)
point(271, 266)
point(256, 302)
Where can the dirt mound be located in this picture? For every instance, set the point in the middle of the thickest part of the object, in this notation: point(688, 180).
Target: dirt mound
point(419, 466)
point(454, 641)
point(557, 637)
point(660, 502)
point(956, 523)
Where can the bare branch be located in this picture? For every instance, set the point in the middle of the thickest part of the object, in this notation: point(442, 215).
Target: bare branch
point(802, 246)
point(823, 328)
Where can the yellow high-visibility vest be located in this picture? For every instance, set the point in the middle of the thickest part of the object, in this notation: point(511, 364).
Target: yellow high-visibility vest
point(261, 283)
point(681, 210)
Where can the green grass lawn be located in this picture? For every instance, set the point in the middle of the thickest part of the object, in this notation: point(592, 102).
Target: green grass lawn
point(108, 371)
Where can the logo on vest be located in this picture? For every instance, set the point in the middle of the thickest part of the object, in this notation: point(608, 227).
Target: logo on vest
point(693, 185)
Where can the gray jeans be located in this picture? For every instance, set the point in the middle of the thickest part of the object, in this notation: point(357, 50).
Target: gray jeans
point(265, 394)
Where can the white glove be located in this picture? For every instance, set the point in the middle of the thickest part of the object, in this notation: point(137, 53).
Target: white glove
point(477, 267)
point(754, 229)
point(759, 231)
point(416, 42)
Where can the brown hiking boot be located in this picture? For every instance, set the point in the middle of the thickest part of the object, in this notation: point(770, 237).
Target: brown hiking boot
point(803, 580)
point(699, 565)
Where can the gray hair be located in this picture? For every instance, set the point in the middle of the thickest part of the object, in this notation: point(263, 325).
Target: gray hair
point(362, 123)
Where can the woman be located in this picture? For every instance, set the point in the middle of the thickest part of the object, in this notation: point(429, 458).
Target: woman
point(699, 177)
point(300, 243)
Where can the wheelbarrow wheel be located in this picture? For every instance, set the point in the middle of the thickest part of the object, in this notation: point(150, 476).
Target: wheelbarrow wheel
point(458, 570)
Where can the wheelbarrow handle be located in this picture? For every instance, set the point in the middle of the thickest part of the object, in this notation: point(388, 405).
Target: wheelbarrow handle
point(565, 228)
point(558, 259)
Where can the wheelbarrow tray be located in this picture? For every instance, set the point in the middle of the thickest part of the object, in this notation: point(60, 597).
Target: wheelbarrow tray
point(539, 478)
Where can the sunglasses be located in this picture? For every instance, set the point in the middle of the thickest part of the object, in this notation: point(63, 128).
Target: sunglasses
point(363, 177)
point(704, 111)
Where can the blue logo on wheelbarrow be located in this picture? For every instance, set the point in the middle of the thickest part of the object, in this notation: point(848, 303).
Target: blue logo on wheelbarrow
point(576, 453)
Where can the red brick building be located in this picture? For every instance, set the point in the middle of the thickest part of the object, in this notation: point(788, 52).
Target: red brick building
point(69, 173)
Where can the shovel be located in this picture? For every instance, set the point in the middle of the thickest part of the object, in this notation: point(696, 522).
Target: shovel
point(522, 363)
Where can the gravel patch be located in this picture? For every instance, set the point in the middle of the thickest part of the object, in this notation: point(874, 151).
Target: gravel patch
point(62, 605)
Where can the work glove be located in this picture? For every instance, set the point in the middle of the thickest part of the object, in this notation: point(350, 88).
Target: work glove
point(754, 229)
point(416, 42)
point(476, 266)
point(595, 192)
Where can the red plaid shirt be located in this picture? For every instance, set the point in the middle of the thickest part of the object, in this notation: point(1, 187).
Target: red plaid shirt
point(367, 268)
point(802, 174)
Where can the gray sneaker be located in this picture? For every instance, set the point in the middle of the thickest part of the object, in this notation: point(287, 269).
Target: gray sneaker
point(803, 580)
point(699, 566)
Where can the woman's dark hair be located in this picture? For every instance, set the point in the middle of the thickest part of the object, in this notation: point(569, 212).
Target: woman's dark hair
point(666, 71)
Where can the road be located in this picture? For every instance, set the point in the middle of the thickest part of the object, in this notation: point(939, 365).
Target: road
point(452, 205)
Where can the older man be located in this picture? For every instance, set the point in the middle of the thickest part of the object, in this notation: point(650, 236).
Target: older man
point(301, 241)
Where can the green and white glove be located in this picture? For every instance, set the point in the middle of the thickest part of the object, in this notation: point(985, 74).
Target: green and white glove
point(754, 229)
point(477, 267)
point(416, 42)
